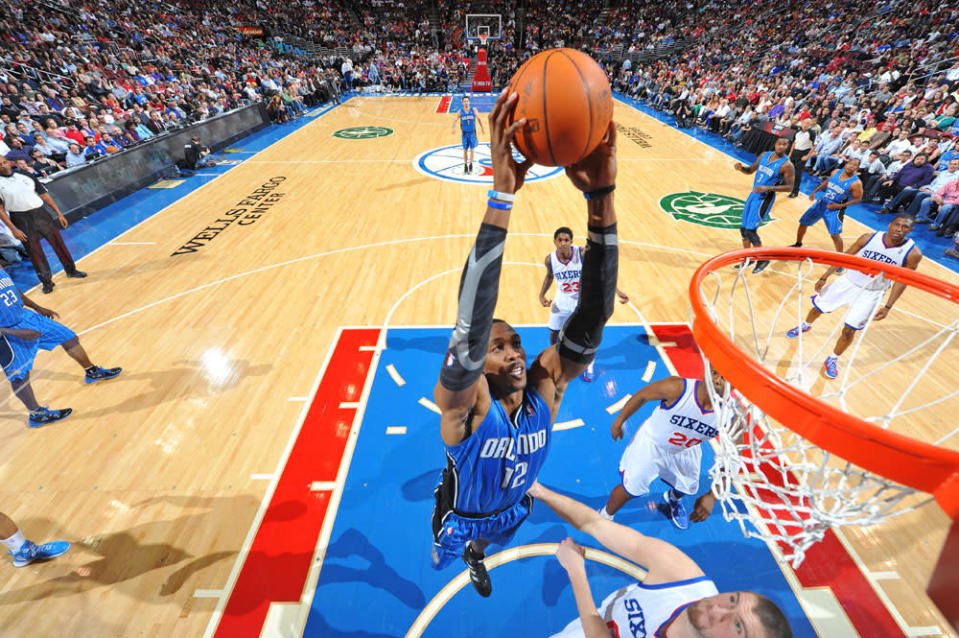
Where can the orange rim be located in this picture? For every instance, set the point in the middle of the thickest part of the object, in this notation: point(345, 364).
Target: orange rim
point(919, 465)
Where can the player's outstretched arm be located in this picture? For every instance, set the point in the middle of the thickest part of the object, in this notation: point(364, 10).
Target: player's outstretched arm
point(852, 250)
point(748, 170)
point(461, 379)
point(573, 559)
point(30, 303)
point(665, 562)
point(668, 389)
point(912, 262)
point(595, 176)
point(547, 281)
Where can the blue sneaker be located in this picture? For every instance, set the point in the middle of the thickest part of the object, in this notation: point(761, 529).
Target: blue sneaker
point(31, 552)
point(830, 368)
point(99, 374)
point(46, 416)
point(792, 334)
point(677, 512)
point(587, 376)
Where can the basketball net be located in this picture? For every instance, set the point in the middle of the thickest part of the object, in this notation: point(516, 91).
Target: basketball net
point(482, 38)
point(780, 486)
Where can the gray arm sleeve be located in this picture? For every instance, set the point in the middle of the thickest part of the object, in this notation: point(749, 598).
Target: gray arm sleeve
point(479, 287)
point(583, 331)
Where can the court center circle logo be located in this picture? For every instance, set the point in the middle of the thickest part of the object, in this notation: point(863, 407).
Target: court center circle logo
point(363, 132)
point(706, 209)
point(446, 163)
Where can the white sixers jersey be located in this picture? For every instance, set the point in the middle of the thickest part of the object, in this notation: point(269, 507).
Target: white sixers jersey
point(682, 424)
point(567, 276)
point(640, 611)
point(877, 250)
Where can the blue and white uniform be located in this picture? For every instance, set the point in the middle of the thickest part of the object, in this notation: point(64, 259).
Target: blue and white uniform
point(758, 205)
point(468, 126)
point(644, 611)
point(861, 292)
point(567, 275)
point(667, 444)
point(482, 491)
point(838, 191)
point(14, 315)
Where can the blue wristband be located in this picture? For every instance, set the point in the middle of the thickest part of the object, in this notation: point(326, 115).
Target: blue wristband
point(499, 205)
point(503, 197)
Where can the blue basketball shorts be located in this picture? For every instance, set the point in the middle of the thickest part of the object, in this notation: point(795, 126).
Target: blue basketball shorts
point(52, 334)
point(469, 140)
point(819, 211)
point(451, 531)
point(756, 209)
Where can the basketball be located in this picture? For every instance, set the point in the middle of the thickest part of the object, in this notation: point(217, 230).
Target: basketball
point(566, 100)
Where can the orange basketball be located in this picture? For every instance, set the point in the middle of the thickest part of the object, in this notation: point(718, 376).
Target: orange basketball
point(565, 97)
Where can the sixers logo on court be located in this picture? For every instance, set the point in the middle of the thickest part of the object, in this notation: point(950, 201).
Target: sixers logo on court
point(446, 163)
point(706, 209)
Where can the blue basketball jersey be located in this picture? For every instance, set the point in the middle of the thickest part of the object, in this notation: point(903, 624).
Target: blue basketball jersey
point(467, 120)
point(11, 306)
point(837, 189)
point(767, 173)
point(495, 465)
point(943, 163)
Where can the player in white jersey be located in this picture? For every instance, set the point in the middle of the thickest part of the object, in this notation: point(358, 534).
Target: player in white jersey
point(666, 444)
point(861, 292)
point(675, 600)
point(565, 265)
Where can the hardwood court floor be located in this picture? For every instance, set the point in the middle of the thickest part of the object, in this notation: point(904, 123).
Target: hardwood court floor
point(154, 475)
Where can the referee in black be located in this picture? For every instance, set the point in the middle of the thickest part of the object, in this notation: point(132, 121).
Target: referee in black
point(21, 208)
point(802, 144)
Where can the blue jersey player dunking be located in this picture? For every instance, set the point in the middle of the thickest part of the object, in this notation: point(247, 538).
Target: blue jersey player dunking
point(23, 333)
point(842, 190)
point(497, 416)
point(774, 174)
point(467, 118)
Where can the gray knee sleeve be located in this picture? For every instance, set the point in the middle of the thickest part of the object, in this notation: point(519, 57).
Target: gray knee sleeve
point(751, 236)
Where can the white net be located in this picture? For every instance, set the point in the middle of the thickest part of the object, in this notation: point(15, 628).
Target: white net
point(776, 484)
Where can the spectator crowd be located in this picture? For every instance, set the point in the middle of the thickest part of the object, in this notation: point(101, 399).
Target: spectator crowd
point(83, 79)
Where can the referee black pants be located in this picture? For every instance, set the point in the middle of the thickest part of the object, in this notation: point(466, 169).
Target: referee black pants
point(37, 224)
point(799, 166)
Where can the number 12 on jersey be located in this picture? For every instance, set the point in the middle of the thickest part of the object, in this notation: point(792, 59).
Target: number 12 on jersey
point(517, 474)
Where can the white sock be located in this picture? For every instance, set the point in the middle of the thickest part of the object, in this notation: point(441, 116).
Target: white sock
point(602, 512)
point(589, 369)
point(806, 326)
point(15, 542)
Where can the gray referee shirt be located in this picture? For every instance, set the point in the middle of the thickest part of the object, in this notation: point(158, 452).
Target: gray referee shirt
point(803, 141)
point(20, 193)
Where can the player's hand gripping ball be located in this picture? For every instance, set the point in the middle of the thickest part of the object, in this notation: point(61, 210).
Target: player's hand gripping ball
point(566, 100)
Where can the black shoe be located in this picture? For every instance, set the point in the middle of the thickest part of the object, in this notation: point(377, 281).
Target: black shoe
point(923, 221)
point(942, 232)
point(96, 373)
point(77, 274)
point(883, 211)
point(798, 244)
point(46, 416)
point(760, 266)
point(793, 195)
point(47, 287)
point(478, 574)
